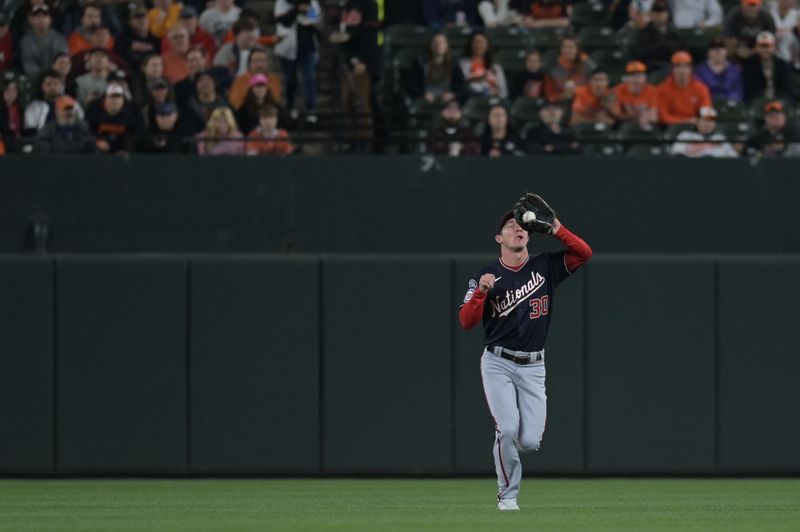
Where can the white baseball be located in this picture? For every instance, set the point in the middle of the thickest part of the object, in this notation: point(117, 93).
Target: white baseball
point(529, 216)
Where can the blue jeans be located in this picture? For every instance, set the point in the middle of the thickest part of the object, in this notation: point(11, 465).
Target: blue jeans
point(308, 67)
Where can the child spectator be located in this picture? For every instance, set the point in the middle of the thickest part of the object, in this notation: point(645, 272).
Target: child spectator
point(765, 74)
point(546, 13)
point(152, 71)
point(233, 55)
point(705, 141)
point(655, 43)
point(176, 67)
point(258, 62)
point(551, 137)
point(497, 13)
point(483, 76)
point(787, 30)
point(221, 135)
point(11, 112)
point(595, 103)
point(680, 96)
point(298, 28)
point(267, 139)
point(439, 14)
point(700, 14)
point(199, 107)
point(637, 100)
point(40, 45)
point(93, 84)
point(219, 18)
point(530, 82)
point(164, 133)
point(42, 110)
point(744, 22)
point(80, 39)
point(6, 42)
point(159, 95)
point(436, 75)
point(257, 98)
point(723, 78)
point(570, 71)
point(777, 134)
point(163, 16)
point(198, 37)
point(136, 42)
point(499, 139)
point(116, 123)
point(67, 133)
point(451, 136)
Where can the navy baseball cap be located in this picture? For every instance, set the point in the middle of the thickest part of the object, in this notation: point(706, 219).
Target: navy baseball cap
point(506, 217)
point(188, 12)
point(166, 108)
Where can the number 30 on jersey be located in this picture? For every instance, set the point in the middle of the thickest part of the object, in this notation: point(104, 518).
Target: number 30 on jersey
point(539, 307)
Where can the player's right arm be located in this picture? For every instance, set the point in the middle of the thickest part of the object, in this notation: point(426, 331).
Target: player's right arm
point(472, 310)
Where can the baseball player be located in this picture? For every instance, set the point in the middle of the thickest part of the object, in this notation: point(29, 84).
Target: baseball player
point(513, 296)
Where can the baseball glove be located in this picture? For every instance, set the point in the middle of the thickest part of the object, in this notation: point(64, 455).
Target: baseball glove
point(543, 216)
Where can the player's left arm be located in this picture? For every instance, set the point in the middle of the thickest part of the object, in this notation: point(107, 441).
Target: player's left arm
point(578, 251)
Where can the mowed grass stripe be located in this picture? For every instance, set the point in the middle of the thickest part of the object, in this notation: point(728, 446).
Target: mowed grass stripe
point(372, 505)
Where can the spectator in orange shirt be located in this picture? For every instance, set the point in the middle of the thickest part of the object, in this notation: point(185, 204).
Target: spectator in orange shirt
point(163, 16)
point(267, 139)
point(546, 13)
point(81, 39)
point(638, 101)
point(570, 71)
point(680, 96)
point(595, 103)
point(198, 37)
point(176, 66)
point(257, 63)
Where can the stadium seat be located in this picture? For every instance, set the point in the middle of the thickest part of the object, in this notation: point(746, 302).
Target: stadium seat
point(630, 133)
point(525, 110)
point(696, 41)
point(736, 131)
point(610, 60)
point(590, 14)
point(674, 130)
point(405, 58)
point(646, 150)
point(421, 113)
point(602, 150)
point(731, 110)
point(593, 37)
point(593, 133)
point(511, 37)
point(657, 76)
point(525, 128)
point(477, 108)
point(544, 38)
point(457, 36)
point(511, 60)
point(406, 36)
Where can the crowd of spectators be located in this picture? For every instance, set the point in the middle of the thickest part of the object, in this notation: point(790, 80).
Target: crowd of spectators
point(712, 77)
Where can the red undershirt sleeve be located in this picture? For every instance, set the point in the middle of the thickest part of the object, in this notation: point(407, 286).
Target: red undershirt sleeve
point(578, 251)
point(472, 311)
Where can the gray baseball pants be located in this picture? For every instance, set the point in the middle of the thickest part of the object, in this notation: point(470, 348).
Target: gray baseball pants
point(517, 401)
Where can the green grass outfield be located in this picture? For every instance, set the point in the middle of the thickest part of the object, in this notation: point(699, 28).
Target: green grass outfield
point(387, 505)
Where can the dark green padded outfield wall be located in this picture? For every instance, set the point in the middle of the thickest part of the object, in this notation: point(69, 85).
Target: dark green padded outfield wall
point(355, 365)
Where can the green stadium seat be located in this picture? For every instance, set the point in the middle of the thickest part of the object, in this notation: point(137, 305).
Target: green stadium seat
point(646, 150)
point(696, 40)
point(631, 133)
point(457, 36)
point(674, 130)
point(406, 36)
point(511, 37)
point(405, 58)
point(525, 128)
point(602, 150)
point(421, 113)
point(731, 110)
point(590, 14)
point(657, 76)
point(593, 37)
point(610, 60)
point(511, 60)
point(736, 131)
point(593, 133)
point(547, 37)
point(525, 110)
point(477, 108)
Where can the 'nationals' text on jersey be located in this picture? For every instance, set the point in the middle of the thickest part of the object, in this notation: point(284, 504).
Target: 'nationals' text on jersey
point(517, 310)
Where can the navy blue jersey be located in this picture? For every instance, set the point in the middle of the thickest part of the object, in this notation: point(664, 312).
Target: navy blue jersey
point(516, 313)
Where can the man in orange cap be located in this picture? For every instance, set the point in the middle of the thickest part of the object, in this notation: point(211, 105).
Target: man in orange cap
point(67, 133)
point(744, 22)
point(595, 103)
point(680, 96)
point(637, 100)
point(777, 136)
point(765, 74)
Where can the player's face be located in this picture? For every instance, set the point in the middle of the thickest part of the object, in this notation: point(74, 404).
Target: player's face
point(513, 236)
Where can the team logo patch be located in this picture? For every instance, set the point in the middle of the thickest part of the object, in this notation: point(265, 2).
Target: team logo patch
point(467, 297)
point(473, 283)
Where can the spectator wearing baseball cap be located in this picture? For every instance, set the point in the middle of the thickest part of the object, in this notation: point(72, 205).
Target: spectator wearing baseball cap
point(722, 77)
point(41, 43)
point(136, 41)
point(705, 141)
point(777, 136)
point(115, 122)
point(744, 22)
point(258, 96)
point(163, 16)
point(451, 136)
point(595, 103)
point(42, 110)
point(551, 137)
point(267, 138)
point(765, 74)
point(160, 94)
point(700, 14)
point(198, 37)
point(258, 62)
point(165, 133)
point(658, 40)
point(66, 134)
point(6, 42)
point(681, 96)
point(637, 100)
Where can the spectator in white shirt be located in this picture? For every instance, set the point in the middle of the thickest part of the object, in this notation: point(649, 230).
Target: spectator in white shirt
point(497, 13)
point(219, 18)
point(687, 14)
point(704, 142)
point(787, 30)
